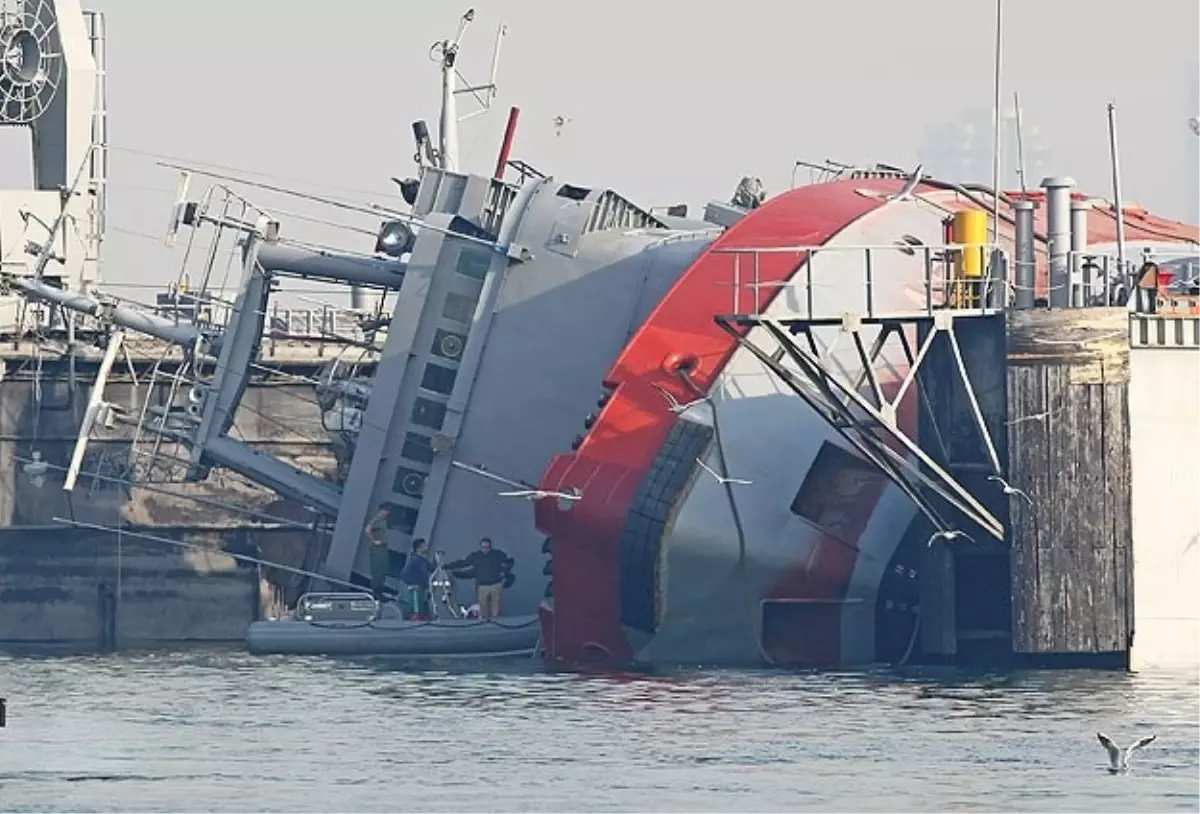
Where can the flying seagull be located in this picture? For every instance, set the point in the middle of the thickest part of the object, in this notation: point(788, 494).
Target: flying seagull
point(673, 402)
point(538, 494)
point(1011, 490)
point(909, 187)
point(720, 478)
point(1118, 761)
point(1194, 123)
point(1079, 344)
point(948, 536)
point(1044, 414)
point(559, 123)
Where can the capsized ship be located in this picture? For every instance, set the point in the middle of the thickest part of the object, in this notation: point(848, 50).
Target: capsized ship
point(742, 528)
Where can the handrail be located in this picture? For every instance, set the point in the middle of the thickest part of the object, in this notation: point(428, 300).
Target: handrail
point(902, 247)
point(943, 289)
point(1094, 276)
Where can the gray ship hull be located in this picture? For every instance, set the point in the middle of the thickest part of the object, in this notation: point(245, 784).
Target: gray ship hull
point(507, 636)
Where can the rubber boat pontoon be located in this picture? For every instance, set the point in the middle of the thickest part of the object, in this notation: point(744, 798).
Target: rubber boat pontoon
point(358, 624)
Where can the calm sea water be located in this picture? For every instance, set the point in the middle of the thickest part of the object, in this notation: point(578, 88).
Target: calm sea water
point(224, 731)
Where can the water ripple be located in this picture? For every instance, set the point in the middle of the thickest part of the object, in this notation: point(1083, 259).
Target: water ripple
point(222, 731)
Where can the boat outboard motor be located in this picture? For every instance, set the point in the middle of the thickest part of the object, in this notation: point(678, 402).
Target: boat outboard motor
point(441, 586)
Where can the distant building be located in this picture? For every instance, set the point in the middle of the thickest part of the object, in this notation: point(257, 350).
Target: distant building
point(1191, 164)
point(961, 150)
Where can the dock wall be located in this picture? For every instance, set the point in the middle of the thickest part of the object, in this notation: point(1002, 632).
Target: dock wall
point(97, 590)
point(64, 586)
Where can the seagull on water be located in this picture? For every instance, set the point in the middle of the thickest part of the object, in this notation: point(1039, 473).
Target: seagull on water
point(720, 478)
point(673, 402)
point(948, 536)
point(1118, 761)
point(1011, 490)
point(572, 494)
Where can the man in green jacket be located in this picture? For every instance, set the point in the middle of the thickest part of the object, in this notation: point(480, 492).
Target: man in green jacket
point(381, 554)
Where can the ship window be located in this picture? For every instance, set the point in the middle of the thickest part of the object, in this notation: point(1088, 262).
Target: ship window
point(573, 192)
point(474, 263)
point(839, 493)
point(448, 344)
point(428, 413)
point(438, 379)
point(458, 308)
point(402, 518)
point(417, 447)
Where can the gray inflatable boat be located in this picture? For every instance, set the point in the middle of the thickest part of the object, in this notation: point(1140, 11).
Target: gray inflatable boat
point(356, 624)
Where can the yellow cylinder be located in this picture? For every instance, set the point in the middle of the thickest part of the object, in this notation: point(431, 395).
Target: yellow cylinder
point(970, 230)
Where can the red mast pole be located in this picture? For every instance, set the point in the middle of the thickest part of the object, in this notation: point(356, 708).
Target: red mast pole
point(509, 131)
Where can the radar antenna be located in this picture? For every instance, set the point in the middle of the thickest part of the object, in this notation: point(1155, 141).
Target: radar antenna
point(33, 67)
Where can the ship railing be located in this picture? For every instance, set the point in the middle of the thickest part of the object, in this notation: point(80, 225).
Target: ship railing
point(1098, 278)
point(967, 279)
point(326, 322)
point(212, 309)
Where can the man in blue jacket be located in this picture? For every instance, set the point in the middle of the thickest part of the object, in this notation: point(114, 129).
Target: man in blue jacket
point(418, 568)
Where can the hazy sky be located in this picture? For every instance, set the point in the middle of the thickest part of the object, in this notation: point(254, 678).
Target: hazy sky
point(670, 101)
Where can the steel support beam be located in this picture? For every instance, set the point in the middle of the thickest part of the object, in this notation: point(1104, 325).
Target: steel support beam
point(242, 337)
point(858, 420)
point(184, 334)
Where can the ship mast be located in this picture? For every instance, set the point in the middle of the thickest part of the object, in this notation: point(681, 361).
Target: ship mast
point(446, 53)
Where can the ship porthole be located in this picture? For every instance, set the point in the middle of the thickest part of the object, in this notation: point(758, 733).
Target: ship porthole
point(451, 346)
point(413, 484)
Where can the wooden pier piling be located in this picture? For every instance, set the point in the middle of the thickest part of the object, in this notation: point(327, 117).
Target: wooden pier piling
point(1068, 450)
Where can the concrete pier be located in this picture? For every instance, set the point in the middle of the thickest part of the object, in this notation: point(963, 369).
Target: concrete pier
point(1164, 418)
